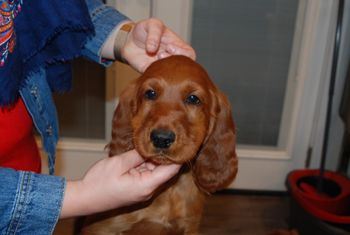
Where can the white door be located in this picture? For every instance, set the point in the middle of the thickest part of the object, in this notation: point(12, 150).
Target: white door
point(271, 58)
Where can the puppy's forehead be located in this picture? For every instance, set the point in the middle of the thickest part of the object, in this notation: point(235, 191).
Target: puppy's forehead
point(176, 69)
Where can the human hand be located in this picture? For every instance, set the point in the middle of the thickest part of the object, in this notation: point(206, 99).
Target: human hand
point(151, 40)
point(114, 182)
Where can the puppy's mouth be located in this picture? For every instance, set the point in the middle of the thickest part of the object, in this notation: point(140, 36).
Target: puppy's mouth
point(160, 157)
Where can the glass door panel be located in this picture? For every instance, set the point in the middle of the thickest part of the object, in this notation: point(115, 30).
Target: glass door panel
point(246, 47)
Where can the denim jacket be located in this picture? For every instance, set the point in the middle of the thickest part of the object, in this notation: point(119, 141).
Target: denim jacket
point(31, 203)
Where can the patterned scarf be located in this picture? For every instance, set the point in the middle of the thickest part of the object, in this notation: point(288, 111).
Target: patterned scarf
point(38, 34)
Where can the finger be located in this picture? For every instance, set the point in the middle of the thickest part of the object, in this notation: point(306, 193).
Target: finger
point(142, 168)
point(174, 45)
point(150, 166)
point(146, 165)
point(134, 172)
point(130, 160)
point(154, 29)
point(141, 165)
point(178, 50)
point(163, 55)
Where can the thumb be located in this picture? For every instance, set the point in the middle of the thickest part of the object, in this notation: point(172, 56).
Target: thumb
point(154, 29)
point(162, 173)
point(130, 160)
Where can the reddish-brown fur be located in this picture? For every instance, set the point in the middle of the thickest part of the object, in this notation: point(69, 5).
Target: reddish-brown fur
point(204, 144)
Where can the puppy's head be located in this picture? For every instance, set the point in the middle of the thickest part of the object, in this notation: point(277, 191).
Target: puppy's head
point(173, 113)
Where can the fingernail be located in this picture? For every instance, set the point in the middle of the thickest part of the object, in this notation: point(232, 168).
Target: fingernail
point(171, 49)
point(162, 55)
point(151, 46)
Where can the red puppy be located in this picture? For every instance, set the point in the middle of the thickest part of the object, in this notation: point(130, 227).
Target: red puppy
point(173, 113)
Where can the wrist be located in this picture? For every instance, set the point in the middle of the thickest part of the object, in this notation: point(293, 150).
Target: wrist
point(73, 201)
point(121, 39)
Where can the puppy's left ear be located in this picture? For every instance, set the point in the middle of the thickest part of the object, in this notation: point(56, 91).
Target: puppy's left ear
point(217, 165)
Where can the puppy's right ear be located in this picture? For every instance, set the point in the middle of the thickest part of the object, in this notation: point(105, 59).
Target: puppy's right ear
point(121, 124)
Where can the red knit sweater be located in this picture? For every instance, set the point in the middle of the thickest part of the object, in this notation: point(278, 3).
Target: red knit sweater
point(18, 148)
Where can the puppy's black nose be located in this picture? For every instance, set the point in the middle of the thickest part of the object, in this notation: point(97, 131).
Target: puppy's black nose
point(162, 138)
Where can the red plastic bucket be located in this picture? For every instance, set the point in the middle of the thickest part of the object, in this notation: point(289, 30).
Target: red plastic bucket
point(333, 205)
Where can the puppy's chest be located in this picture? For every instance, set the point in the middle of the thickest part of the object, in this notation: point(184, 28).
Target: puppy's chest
point(182, 201)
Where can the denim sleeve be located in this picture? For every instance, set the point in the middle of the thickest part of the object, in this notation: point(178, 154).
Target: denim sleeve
point(104, 19)
point(29, 203)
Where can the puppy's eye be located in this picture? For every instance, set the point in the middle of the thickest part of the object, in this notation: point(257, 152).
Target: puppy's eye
point(150, 94)
point(192, 99)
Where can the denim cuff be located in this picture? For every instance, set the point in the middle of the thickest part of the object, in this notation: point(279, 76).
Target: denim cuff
point(37, 203)
point(104, 19)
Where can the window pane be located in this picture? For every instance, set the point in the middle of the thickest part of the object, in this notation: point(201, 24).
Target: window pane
point(246, 47)
point(81, 112)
